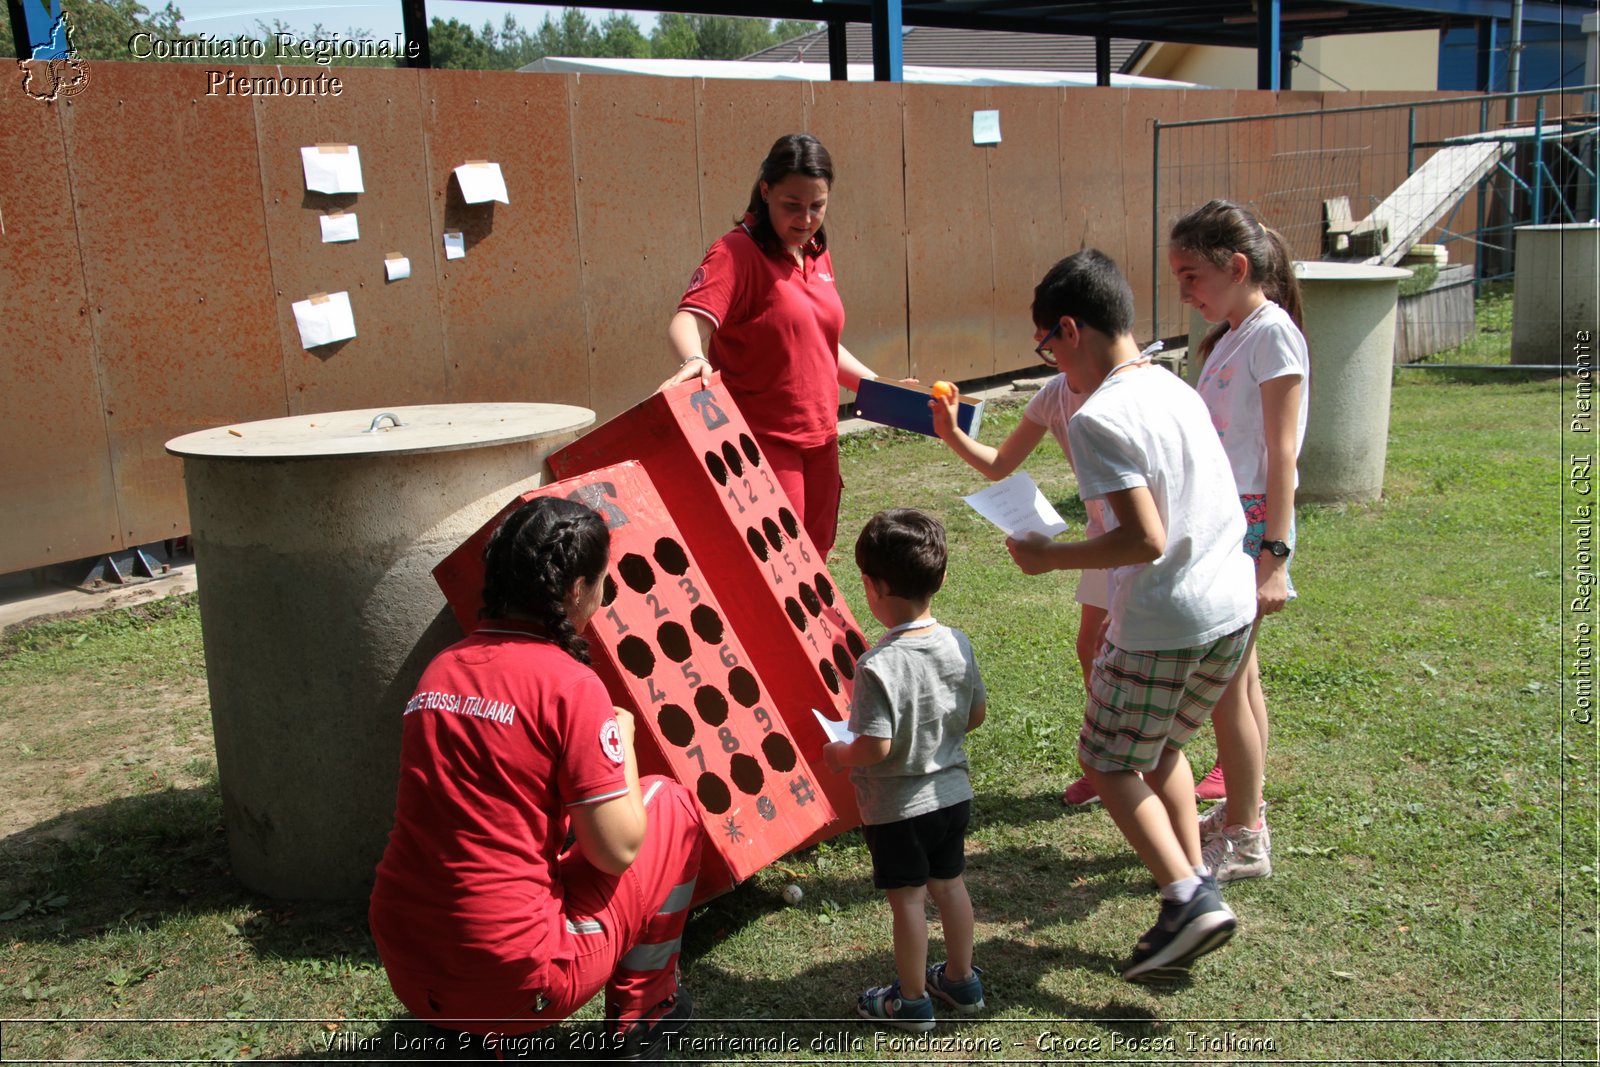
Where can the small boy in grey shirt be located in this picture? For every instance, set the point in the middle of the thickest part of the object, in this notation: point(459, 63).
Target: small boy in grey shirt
point(917, 694)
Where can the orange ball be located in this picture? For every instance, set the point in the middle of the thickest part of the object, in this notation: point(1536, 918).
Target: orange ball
point(944, 390)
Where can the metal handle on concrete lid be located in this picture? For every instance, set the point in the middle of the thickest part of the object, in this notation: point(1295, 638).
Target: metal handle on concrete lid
point(376, 419)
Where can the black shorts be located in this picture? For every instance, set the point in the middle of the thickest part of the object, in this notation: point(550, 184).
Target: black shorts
point(909, 852)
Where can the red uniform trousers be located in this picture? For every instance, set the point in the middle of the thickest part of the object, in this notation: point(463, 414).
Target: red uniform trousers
point(810, 479)
point(622, 932)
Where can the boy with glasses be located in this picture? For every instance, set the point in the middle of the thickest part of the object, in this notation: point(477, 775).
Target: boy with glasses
point(1183, 595)
point(1050, 409)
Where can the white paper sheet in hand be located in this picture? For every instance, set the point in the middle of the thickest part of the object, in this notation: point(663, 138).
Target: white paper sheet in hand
point(1017, 506)
point(326, 321)
point(836, 730)
point(332, 168)
point(481, 182)
point(341, 227)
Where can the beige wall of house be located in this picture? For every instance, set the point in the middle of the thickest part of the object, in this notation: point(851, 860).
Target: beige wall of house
point(1407, 61)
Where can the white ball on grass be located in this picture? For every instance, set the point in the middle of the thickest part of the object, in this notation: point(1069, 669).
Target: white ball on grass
point(792, 894)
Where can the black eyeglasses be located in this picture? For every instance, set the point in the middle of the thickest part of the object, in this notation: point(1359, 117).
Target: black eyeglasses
point(1044, 353)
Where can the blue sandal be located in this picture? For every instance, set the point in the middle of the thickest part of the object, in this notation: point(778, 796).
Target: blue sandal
point(885, 1004)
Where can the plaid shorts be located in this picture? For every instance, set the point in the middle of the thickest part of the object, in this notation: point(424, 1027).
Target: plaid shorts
point(1143, 702)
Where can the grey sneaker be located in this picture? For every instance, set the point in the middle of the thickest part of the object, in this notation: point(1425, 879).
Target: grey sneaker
point(1216, 817)
point(1237, 853)
point(1183, 934)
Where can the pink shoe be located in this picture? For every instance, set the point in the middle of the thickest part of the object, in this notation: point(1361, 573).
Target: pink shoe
point(1080, 794)
point(1211, 787)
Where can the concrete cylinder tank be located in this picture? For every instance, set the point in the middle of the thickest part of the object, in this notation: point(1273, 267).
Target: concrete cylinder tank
point(1349, 320)
point(1557, 295)
point(315, 537)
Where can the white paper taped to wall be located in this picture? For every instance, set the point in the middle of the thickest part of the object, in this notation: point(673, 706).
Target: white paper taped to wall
point(481, 181)
point(324, 318)
point(340, 226)
point(986, 127)
point(332, 168)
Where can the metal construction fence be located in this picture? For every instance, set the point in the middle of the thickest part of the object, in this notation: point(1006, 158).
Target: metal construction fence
point(1372, 183)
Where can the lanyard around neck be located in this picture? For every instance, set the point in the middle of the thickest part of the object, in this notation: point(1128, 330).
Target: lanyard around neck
point(1144, 356)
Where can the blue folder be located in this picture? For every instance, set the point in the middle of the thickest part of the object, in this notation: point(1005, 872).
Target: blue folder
point(905, 407)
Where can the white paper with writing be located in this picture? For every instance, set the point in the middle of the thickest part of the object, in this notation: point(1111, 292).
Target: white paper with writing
point(986, 127)
point(1017, 506)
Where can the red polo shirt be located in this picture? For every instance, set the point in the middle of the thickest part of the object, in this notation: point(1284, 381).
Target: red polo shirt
point(505, 731)
point(777, 335)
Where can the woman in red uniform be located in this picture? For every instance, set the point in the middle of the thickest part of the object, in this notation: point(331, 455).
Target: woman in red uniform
point(763, 310)
point(484, 925)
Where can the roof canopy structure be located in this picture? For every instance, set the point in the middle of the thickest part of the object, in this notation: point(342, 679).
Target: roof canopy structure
point(1266, 26)
point(861, 72)
point(1263, 25)
point(940, 46)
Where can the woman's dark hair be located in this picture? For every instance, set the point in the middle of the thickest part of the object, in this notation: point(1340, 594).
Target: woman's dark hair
point(1217, 230)
point(904, 548)
point(793, 153)
point(533, 559)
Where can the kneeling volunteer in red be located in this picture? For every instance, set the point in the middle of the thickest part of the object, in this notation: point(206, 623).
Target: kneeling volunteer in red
point(483, 924)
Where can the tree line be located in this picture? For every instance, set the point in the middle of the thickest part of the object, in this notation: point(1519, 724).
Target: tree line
point(101, 29)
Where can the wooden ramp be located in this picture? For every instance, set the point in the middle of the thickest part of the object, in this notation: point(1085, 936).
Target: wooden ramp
point(1439, 184)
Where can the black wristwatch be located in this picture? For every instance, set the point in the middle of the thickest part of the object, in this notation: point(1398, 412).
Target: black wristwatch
point(1279, 549)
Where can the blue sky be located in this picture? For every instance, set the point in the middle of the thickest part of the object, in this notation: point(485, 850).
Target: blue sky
point(228, 18)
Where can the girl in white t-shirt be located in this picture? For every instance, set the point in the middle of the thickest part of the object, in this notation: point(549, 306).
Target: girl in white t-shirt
point(1256, 368)
point(1051, 408)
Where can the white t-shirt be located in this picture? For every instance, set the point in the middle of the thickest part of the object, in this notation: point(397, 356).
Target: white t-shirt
point(1146, 427)
point(1266, 345)
point(1053, 407)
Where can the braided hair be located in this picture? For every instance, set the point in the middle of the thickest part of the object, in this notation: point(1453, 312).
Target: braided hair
point(1220, 228)
point(534, 557)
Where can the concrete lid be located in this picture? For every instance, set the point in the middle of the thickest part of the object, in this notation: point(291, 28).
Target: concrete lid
point(422, 428)
point(1313, 270)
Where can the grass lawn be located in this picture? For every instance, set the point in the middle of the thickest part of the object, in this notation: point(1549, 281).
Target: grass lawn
point(1433, 815)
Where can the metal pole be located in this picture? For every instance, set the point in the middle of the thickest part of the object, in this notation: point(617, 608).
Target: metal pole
point(887, 48)
point(1485, 191)
point(1155, 235)
point(838, 52)
point(1538, 162)
point(1514, 63)
point(1487, 34)
point(1269, 42)
point(414, 20)
point(1411, 141)
point(1514, 84)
